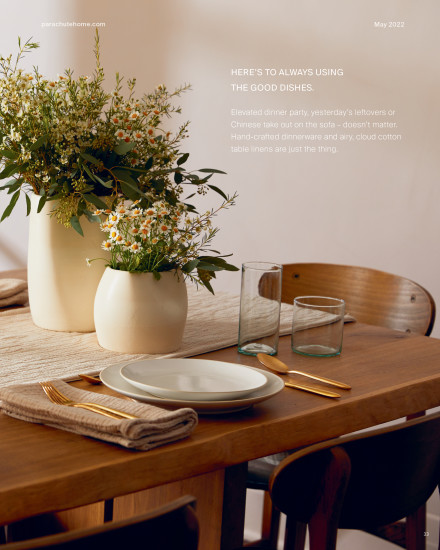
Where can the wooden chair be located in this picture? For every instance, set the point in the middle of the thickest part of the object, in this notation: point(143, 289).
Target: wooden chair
point(171, 527)
point(372, 297)
point(358, 482)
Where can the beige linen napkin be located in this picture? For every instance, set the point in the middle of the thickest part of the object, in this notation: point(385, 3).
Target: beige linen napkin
point(13, 292)
point(154, 427)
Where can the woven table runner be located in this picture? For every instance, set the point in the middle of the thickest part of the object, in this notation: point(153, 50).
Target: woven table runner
point(31, 354)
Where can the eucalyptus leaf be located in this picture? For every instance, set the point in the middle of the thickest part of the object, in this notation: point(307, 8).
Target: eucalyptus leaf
point(90, 158)
point(10, 170)
point(182, 159)
point(123, 147)
point(28, 205)
point(128, 191)
point(159, 185)
point(39, 143)
point(206, 284)
point(218, 190)
point(41, 203)
point(10, 206)
point(208, 267)
point(189, 266)
point(96, 201)
point(9, 154)
point(93, 218)
point(211, 171)
point(108, 184)
point(11, 183)
point(74, 222)
point(16, 185)
point(88, 172)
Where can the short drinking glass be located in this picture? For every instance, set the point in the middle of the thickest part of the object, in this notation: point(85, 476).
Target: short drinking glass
point(318, 324)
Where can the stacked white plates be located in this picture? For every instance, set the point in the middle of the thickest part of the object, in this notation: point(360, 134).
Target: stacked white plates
point(208, 386)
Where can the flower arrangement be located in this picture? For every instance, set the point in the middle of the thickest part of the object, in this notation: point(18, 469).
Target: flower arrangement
point(160, 238)
point(68, 140)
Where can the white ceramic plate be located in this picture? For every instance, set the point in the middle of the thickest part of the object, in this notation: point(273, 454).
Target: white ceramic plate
point(111, 377)
point(193, 379)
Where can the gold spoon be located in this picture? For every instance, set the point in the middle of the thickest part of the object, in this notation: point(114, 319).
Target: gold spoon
point(278, 366)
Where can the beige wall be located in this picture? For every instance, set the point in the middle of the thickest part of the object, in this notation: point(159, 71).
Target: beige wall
point(369, 204)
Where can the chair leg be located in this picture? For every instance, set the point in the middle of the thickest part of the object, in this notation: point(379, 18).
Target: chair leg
point(323, 525)
point(295, 536)
point(415, 529)
point(271, 522)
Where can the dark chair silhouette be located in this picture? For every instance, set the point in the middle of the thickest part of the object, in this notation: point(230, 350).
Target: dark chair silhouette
point(171, 527)
point(358, 482)
point(372, 297)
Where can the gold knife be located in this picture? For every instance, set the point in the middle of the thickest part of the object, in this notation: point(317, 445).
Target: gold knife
point(312, 389)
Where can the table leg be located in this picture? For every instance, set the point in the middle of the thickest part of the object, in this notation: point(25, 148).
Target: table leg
point(208, 490)
point(234, 502)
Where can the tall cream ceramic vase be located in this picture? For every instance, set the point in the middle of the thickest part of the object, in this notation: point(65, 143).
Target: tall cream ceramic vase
point(61, 286)
point(136, 313)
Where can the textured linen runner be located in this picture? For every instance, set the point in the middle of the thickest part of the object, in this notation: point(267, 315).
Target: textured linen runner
point(31, 354)
point(154, 427)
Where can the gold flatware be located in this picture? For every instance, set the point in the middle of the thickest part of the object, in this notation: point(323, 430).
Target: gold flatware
point(278, 366)
point(90, 379)
point(312, 389)
point(60, 399)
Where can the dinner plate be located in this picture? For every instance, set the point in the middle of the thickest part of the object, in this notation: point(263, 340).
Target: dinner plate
point(193, 379)
point(111, 377)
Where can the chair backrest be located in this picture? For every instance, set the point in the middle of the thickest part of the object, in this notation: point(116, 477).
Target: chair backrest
point(371, 296)
point(359, 481)
point(171, 527)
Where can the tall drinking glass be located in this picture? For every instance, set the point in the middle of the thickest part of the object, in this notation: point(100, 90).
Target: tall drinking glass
point(260, 301)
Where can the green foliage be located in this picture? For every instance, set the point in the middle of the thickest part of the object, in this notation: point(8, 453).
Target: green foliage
point(69, 140)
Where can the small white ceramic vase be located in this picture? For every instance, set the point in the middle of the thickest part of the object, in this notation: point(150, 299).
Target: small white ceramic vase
point(61, 286)
point(136, 313)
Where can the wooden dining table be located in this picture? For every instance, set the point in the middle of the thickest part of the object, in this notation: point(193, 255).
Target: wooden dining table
point(86, 481)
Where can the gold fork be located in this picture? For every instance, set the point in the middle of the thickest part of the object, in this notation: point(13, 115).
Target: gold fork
point(60, 399)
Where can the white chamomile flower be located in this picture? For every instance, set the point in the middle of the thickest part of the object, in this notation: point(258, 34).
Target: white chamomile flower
point(121, 209)
point(107, 245)
point(120, 134)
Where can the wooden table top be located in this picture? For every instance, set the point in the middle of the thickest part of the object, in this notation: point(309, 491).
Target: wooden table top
point(392, 374)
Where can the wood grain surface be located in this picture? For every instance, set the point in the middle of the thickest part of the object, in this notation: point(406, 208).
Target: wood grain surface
point(392, 374)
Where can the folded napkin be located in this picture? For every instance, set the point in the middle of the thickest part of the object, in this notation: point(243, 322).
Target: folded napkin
point(13, 292)
point(154, 427)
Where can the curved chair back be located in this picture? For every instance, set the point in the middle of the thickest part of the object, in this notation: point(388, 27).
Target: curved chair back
point(373, 297)
point(358, 481)
point(171, 527)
